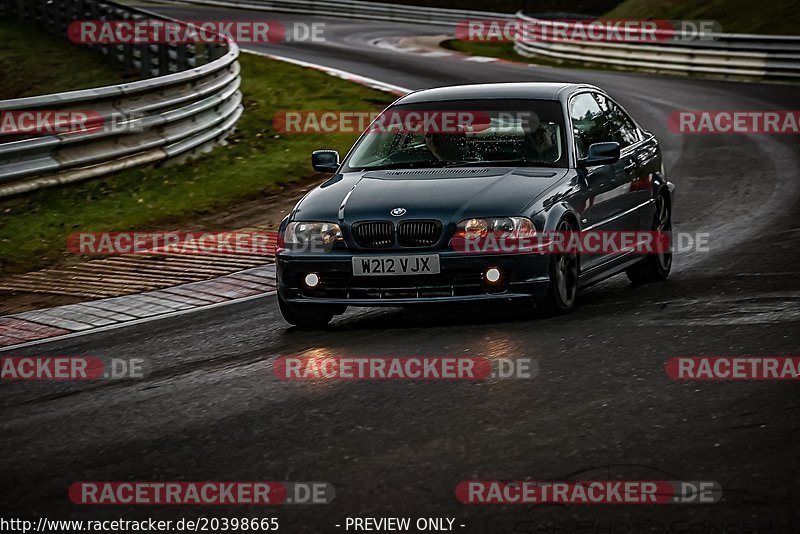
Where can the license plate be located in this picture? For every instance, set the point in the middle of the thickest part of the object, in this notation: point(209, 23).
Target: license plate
point(396, 265)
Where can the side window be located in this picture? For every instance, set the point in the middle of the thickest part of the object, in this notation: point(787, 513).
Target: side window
point(588, 123)
point(622, 127)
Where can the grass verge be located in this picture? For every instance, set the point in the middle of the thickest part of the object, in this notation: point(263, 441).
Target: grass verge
point(35, 63)
point(257, 161)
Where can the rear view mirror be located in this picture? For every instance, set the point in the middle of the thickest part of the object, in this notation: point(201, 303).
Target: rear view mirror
point(600, 154)
point(325, 160)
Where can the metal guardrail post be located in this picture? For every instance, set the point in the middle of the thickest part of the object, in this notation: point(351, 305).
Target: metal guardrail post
point(146, 59)
point(163, 60)
point(181, 57)
point(201, 54)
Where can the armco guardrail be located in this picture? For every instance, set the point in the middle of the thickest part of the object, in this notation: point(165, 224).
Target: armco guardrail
point(724, 54)
point(357, 9)
point(191, 102)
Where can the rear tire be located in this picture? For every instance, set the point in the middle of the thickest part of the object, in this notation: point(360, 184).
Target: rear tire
point(562, 291)
point(655, 267)
point(307, 315)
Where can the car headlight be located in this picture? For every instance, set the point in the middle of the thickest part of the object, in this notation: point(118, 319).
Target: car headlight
point(496, 234)
point(311, 233)
point(515, 227)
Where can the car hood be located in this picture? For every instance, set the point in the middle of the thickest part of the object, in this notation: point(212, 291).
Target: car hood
point(448, 195)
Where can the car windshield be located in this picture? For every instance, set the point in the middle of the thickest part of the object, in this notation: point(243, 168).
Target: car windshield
point(515, 132)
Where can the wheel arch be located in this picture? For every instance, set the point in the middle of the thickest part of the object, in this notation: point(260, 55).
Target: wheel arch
point(558, 213)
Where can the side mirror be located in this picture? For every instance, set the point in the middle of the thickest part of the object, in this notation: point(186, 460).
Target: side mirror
point(325, 160)
point(600, 154)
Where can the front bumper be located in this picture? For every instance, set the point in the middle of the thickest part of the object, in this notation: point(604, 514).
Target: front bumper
point(460, 280)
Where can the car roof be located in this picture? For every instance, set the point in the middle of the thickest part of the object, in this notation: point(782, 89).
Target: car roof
point(519, 90)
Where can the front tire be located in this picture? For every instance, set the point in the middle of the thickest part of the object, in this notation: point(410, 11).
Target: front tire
point(563, 288)
point(656, 266)
point(306, 315)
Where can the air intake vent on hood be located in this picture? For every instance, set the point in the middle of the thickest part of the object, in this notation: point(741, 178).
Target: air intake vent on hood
point(439, 171)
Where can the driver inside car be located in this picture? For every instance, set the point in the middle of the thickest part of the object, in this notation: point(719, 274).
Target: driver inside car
point(540, 145)
point(447, 147)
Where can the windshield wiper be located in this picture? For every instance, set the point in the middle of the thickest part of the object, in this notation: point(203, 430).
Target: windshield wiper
point(520, 162)
point(400, 165)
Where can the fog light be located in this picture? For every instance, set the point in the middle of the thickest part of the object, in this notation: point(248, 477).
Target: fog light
point(312, 280)
point(492, 275)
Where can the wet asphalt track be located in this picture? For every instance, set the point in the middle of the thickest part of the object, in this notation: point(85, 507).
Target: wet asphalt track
point(601, 407)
